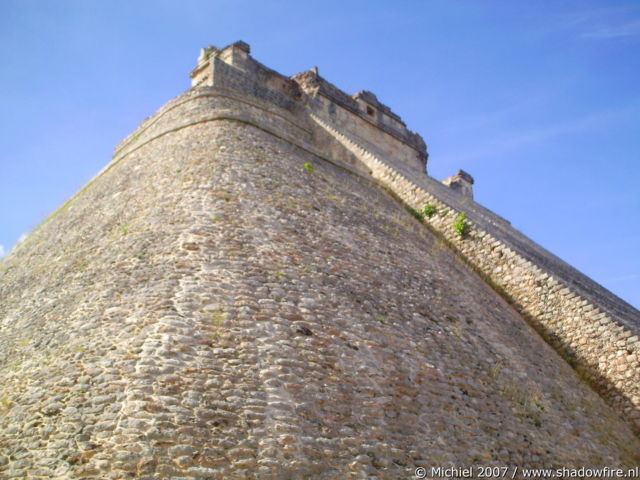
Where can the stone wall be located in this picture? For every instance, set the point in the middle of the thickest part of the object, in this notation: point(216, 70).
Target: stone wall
point(348, 113)
point(212, 103)
point(233, 68)
point(239, 294)
point(209, 307)
point(345, 120)
point(596, 332)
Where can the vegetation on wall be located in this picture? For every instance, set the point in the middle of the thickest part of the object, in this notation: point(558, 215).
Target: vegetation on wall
point(460, 225)
point(429, 210)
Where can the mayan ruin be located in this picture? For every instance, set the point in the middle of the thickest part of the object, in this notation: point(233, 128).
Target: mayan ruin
point(266, 283)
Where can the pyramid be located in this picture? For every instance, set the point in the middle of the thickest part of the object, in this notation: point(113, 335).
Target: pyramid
point(252, 288)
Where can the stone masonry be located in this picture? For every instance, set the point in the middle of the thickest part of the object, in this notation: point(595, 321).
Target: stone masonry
point(242, 294)
point(595, 331)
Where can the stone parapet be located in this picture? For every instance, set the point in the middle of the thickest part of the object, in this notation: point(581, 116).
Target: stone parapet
point(362, 114)
point(233, 68)
point(210, 103)
point(461, 182)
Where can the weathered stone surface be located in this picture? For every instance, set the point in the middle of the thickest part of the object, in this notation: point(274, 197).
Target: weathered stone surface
point(311, 329)
point(562, 316)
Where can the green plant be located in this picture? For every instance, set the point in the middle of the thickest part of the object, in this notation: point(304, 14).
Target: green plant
point(429, 210)
point(496, 369)
point(217, 317)
point(207, 52)
point(382, 320)
point(460, 224)
point(415, 213)
point(308, 167)
point(5, 402)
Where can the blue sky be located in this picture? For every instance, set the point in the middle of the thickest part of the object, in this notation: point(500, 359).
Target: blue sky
point(539, 101)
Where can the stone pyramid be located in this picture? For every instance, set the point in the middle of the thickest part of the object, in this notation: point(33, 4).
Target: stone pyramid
point(236, 296)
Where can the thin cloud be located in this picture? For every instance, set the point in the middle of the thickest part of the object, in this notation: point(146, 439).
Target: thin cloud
point(626, 278)
point(628, 29)
point(605, 23)
point(517, 107)
point(597, 13)
point(515, 140)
